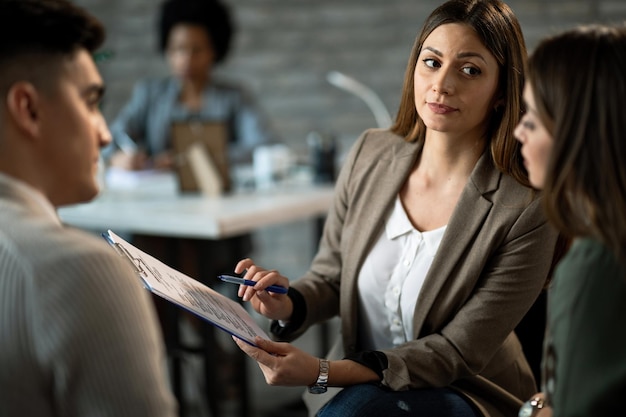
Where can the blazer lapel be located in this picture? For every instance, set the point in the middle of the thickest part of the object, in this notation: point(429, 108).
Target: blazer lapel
point(389, 174)
point(465, 222)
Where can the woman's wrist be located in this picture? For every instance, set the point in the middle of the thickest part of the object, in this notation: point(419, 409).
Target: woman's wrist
point(297, 308)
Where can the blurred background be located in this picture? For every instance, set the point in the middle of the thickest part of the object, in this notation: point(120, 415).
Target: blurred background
point(283, 49)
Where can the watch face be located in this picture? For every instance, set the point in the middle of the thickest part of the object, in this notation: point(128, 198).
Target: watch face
point(317, 389)
point(527, 410)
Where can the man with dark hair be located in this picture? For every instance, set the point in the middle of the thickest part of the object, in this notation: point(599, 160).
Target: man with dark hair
point(78, 334)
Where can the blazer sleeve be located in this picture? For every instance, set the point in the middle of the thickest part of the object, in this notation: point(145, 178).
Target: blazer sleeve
point(322, 282)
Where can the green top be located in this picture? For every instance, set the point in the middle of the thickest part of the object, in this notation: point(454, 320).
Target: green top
point(585, 360)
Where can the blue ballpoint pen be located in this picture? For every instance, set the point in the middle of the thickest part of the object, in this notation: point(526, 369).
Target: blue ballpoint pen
point(236, 280)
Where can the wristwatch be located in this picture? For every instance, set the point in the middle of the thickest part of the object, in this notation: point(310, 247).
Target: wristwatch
point(321, 385)
point(531, 407)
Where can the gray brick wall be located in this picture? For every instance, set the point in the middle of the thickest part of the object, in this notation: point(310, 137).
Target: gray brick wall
point(283, 50)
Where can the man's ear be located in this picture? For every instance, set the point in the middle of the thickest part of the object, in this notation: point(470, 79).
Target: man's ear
point(22, 103)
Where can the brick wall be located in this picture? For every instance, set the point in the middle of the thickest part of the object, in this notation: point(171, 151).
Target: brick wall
point(283, 50)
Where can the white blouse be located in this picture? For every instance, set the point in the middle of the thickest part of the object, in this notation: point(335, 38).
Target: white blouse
point(391, 279)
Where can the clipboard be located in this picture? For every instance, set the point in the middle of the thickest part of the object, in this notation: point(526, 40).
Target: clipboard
point(186, 292)
point(212, 138)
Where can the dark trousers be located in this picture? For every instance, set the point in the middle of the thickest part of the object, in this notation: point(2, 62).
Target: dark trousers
point(368, 400)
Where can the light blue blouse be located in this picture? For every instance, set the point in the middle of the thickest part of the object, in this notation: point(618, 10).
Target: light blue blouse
point(145, 120)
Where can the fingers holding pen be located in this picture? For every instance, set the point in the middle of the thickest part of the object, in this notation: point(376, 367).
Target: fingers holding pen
point(266, 301)
point(263, 277)
point(243, 265)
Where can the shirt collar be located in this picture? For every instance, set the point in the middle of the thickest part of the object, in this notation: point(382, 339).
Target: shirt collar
point(398, 223)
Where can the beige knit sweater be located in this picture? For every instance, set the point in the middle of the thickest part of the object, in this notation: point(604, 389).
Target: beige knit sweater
point(78, 333)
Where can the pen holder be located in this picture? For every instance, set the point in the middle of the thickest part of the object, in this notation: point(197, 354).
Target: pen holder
point(322, 154)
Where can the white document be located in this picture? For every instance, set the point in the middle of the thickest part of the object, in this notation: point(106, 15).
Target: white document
point(188, 293)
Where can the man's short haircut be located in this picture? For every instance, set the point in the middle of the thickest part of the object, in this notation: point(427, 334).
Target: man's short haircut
point(33, 32)
point(46, 26)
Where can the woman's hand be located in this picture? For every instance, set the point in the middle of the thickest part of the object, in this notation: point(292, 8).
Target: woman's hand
point(282, 363)
point(271, 305)
point(130, 162)
point(286, 365)
point(163, 161)
point(139, 161)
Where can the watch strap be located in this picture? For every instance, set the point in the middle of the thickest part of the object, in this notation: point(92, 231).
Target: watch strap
point(321, 385)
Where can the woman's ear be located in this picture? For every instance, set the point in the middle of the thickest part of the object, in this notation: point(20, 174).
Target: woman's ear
point(22, 102)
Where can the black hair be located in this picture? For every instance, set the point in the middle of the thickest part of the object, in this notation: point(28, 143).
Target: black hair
point(212, 15)
point(35, 35)
point(46, 27)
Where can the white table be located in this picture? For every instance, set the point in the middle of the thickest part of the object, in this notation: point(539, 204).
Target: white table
point(163, 212)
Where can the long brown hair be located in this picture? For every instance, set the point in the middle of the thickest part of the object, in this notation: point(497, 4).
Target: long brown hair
point(577, 79)
point(500, 32)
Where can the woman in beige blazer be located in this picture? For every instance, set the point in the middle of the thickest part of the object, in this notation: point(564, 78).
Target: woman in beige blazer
point(435, 246)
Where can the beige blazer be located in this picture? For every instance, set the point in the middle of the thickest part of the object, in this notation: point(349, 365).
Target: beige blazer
point(491, 265)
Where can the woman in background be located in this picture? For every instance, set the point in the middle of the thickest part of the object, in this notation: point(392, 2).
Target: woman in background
point(573, 145)
point(195, 36)
point(435, 246)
